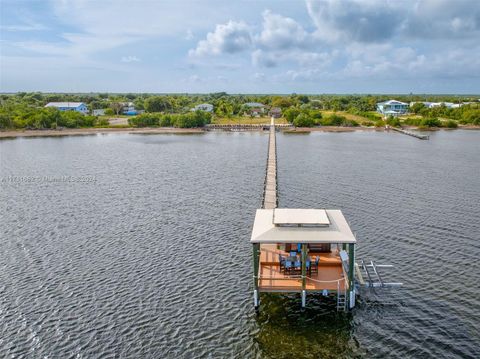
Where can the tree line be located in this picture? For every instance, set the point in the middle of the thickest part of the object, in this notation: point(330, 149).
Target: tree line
point(184, 120)
point(26, 110)
point(22, 117)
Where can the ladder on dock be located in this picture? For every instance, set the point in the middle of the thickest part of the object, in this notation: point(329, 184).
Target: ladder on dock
point(341, 299)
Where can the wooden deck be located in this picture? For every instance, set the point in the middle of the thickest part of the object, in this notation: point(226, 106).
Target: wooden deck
point(269, 255)
point(273, 280)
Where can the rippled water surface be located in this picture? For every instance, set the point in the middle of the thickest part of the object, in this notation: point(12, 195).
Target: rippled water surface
point(152, 258)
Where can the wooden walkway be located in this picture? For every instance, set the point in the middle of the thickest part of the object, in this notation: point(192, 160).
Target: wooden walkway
point(408, 133)
point(245, 127)
point(270, 189)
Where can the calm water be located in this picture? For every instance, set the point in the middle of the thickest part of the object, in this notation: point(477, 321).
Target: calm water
point(152, 258)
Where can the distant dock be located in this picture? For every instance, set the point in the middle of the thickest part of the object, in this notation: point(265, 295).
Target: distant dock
point(245, 127)
point(409, 133)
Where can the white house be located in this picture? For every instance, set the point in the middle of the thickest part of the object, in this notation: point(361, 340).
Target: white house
point(392, 108)
point(203, 107)
point(129, 108)
point(69, 106)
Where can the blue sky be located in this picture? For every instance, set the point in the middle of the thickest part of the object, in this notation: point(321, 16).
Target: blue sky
point(282, 46)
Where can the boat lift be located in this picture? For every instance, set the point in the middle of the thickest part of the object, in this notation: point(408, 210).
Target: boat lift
point(373, 277)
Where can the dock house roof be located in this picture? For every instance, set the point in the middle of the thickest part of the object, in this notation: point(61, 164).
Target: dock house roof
point(285, 225)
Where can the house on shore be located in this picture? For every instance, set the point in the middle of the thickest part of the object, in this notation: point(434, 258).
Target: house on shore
point(275, 112)
point(392, 108)
point(129, 109)
point(255, 109)
point(206, 107)
point(69, 106)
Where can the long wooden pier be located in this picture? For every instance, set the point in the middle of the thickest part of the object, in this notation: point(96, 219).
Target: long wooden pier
point(270, 189)
point(305, 250)
point(409, 133)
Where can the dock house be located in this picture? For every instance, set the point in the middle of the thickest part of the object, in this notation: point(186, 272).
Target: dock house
point(392, 108)
point(303, 251)
point(275, 112)
point(69, 106)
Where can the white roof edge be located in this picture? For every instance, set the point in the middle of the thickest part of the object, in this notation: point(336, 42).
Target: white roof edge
point(265, 231)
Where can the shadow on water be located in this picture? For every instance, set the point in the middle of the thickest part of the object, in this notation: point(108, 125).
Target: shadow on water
point(318, 331)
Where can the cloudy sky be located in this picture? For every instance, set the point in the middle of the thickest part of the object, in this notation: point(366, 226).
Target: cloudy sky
point(278, 46)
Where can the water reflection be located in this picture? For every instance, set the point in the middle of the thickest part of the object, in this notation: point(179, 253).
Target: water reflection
point(318, 331)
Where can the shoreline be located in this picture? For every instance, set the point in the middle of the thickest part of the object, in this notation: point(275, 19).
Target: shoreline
point(178, 131)
point(95, 131)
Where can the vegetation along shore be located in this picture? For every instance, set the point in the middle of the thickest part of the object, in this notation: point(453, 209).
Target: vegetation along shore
point(51, 114)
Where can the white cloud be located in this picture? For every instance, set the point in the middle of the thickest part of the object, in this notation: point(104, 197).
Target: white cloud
point(261, 58)
point(130, 58)
point(189, 35)
point(369, 21)
point(194, 78)
point(356, 20)
point(280, 32)
point(23, 27)
point(259, 76)
point(227, 38)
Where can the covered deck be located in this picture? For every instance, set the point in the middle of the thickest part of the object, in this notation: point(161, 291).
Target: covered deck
point(329, 276)
point(303, 250)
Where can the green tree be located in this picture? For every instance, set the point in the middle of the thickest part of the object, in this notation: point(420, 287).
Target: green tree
point(417, 107)
point(282, 102)
point(224, 109)
point(431, 122)
point(157, 104)
point(116, 107)
point(393, 121)
point(291, 114)
point(303, 120)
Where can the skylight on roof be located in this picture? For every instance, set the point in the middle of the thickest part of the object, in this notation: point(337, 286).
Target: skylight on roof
point(300, 217)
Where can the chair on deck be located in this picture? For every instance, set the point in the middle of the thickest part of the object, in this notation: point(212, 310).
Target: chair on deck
point(288, 266)
point(314, 265)
point(282, 263)
point(308, 265)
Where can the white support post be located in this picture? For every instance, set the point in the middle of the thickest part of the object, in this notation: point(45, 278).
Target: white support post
point(304, 298)
point(255, 298)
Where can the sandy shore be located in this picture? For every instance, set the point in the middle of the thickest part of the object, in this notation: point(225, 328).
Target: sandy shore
point(93, 131)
